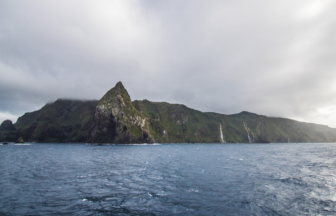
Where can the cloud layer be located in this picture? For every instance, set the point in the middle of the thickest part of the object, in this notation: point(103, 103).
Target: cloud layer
point(275, 58)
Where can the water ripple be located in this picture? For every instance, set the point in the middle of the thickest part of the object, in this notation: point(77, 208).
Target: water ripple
point(178, 179)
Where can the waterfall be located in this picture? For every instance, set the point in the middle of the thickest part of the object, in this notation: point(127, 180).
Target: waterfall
point(221, 134)
point(248, 132)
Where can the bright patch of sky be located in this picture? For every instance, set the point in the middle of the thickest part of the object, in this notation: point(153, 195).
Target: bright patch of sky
point(275, 58)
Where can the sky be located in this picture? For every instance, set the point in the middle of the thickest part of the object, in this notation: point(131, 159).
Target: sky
point(276, 58)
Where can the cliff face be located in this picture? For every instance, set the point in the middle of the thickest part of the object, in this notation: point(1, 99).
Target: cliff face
point(116, 119)
point(174, 123)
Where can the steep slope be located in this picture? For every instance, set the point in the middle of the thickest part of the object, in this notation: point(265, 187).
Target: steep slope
point(117, 121)
point(61, 121)
point(258, 128)
point(173, 123)
point(178, 124)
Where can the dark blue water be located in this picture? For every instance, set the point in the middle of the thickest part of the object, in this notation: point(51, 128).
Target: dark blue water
point(179, 179)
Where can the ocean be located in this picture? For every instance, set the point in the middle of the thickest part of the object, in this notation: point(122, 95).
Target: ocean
point(168, 179)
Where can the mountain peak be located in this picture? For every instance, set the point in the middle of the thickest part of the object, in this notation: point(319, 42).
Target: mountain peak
point(119, 84)
point(117, 92)
point(116, 120)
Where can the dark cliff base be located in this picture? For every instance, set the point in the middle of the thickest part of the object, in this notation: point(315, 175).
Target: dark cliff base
point(117, 119)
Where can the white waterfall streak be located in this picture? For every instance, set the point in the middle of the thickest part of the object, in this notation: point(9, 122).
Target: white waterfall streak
point(221, 134)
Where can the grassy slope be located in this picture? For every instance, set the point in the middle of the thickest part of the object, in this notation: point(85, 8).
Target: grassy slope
point(187, 125)
point(283, 130)
point(70, 121)
point(181, 123)
point(61, 121)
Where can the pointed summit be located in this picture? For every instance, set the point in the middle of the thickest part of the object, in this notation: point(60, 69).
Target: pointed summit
point(115, 100)
point(116, 120)
point(119, 84)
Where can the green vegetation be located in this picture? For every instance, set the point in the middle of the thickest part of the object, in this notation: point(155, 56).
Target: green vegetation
point(61, 121)
point(178, 123)
point(116, 119)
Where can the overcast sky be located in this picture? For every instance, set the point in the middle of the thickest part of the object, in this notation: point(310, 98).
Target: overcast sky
point(270, 57)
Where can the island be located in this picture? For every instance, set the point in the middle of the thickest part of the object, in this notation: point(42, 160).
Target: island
point(116, 119)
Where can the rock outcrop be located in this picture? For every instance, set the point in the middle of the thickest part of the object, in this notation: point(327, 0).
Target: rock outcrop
point(8, 132)
point(7, 125)
point(117, 121)
point(20, 140)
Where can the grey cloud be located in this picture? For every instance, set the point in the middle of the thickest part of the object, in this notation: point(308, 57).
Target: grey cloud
point(270, 57)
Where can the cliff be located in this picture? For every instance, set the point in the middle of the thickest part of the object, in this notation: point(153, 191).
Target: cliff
point(116, 119)
point(174, 123)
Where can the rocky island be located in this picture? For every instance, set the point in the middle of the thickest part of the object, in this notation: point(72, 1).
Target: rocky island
point(115, 118)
